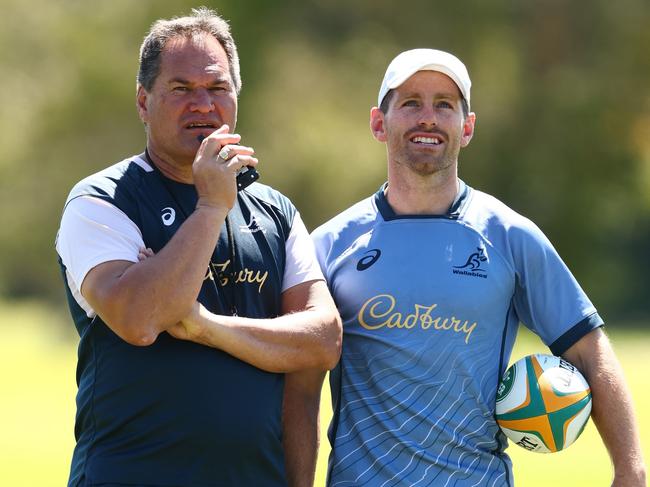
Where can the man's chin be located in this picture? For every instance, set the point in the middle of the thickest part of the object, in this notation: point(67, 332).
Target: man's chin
point(428, 167)
point(187, 154)
point(183, 158)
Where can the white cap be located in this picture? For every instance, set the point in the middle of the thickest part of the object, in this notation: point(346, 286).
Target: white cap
point(410, 62)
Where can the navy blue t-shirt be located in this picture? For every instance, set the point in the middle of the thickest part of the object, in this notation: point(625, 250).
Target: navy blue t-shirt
point(178, 413)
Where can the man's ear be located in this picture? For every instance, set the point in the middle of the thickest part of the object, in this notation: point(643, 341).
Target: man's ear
point(468, 129)
point(141, 103)
point(377, 124)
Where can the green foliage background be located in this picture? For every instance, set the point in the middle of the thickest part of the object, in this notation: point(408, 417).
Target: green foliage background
point(561, 91)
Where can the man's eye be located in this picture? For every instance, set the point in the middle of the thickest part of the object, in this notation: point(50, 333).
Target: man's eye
point(444, 104)
point(410, 103)
point(180, 88)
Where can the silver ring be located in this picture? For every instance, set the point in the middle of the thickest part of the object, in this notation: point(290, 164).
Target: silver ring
point(224, 153)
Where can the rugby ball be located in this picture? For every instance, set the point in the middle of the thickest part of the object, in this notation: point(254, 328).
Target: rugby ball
point(543, 403)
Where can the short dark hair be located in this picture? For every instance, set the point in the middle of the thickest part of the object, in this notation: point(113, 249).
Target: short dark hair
point(389, 96)
point(386, 101)
point(202, 20)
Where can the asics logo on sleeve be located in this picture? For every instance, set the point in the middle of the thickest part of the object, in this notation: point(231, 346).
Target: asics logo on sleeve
point(370, 258)
point(168, 216)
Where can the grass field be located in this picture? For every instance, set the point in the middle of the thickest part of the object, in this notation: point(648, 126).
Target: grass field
point(37, 384)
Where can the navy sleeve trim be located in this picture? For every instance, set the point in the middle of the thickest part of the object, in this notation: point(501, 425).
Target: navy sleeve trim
point(562, 344)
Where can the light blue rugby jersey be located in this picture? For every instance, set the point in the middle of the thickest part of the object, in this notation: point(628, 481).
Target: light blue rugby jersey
point(431, 307)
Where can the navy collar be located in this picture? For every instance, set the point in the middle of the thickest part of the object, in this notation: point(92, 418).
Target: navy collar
point(452, 213)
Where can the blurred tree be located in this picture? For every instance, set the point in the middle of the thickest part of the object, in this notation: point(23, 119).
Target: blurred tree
point(561, 90)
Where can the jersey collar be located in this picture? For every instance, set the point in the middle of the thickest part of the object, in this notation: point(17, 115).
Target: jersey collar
point(452, 213)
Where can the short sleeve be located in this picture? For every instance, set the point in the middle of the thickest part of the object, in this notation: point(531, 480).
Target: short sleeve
point(548, 298)
point(94, 231)
point(301, 264)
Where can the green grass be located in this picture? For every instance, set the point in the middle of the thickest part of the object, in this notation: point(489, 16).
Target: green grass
point(37, 380)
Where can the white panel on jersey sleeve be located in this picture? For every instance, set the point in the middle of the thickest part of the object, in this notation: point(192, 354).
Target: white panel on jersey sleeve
point(142, 163)
point(301, 264)
point(94, 231)
point(76, 294)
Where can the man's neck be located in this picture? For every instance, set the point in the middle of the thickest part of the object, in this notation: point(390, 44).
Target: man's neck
point(417, 195)
point(171, 170)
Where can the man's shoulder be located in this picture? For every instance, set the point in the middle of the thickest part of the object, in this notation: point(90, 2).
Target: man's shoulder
point(492, 217)
point(491, 209)
point(104, 183)
point(260, 199)
point(270, 198)
point(263, 192)
point(350, 221)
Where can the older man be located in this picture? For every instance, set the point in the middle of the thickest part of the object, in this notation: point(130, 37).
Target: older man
point(183, 355)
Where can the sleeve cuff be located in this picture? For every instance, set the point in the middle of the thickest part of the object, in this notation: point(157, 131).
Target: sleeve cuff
point(580, 329)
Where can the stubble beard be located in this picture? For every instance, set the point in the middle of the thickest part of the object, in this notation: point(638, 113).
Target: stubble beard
point(426, 164)
point(423, 162)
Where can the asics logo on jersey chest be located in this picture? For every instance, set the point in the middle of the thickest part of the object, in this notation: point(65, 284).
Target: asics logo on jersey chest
point(168, 216)
point(370, 257)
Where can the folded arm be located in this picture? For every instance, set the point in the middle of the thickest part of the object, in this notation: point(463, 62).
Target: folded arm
point(307, 336)
point(140, 300)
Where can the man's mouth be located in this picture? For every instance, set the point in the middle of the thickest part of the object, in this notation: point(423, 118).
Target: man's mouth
point(201, 125)
point(431, 140)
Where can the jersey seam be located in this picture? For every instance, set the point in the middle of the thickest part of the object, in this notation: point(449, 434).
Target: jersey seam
point(498, 452)
point(93, 428)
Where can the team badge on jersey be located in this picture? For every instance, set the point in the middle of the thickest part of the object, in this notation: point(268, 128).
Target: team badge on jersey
point(474, 266)
point(253, 226)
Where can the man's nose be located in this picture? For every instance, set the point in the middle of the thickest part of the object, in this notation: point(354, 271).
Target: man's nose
point(202, 101)
point(427, 115)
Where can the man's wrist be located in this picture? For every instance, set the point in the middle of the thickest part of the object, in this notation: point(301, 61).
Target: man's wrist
point(630, 474)
point(213, 210)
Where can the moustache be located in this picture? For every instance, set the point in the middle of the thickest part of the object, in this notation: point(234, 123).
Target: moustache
point(432, 131)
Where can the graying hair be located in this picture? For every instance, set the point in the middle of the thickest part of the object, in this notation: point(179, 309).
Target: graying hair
point(202, 20)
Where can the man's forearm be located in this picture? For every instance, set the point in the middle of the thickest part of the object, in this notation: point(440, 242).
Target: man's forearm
point(300, 424)
point(613, 415)
point(612, 410)
point(307, 339)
